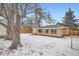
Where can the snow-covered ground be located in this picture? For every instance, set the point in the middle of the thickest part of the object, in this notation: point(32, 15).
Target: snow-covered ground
point(35, 45)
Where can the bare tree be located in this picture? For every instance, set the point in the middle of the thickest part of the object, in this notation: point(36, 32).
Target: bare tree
point(49, 18)
point(41, 14)
point(13, 14)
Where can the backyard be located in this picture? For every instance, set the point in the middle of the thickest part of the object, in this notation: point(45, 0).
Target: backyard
point(36, 45)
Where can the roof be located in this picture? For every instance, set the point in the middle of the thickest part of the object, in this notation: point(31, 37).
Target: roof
point(77, 25)
point(60, 24)
point(53, 26)
point(49, 26)
point(57, 25)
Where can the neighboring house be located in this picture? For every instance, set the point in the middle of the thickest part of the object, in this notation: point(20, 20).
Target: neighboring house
point(57, 30)
point(26, 27)
point(2, 29)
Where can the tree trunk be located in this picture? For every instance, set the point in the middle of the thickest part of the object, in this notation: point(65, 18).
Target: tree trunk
point(15, 39)
point(9, 13)
point(14, 29)
point(15, 35)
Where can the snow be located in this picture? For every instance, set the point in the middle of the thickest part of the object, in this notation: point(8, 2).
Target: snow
point(36, 45)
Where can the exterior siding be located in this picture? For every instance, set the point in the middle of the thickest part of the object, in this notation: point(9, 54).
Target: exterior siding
point(59, 33)
point(2, 30)
point(65, 31)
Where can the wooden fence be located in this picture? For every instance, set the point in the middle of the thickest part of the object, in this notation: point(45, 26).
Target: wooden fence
point(25, 31)
point(74, 32)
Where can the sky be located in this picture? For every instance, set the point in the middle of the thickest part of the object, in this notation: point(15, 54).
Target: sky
point(58, 10)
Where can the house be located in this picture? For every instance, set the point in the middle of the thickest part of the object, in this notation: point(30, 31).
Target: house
point(57, 30)
point(51, 30)
point(26, 27)
point(2, 28)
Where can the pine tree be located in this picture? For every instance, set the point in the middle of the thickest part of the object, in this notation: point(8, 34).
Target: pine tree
point(69, 19)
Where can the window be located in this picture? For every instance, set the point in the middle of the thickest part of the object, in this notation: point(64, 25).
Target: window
point(40, 30)
point(53, 30)
point(47, 30)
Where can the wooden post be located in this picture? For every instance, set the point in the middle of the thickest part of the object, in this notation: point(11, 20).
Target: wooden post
point(71, 42)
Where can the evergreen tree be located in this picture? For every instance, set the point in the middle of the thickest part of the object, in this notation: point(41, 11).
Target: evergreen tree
point(69, 19)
